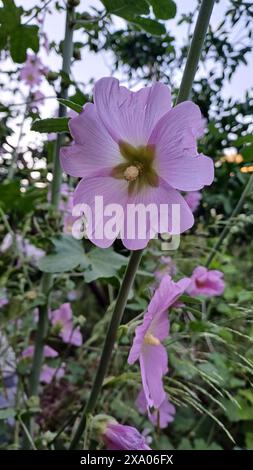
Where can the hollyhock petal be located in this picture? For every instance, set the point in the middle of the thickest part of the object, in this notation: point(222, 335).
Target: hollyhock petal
point(140, 332)
point(130, 116)
point(184, 117)
point(93, 148)
point(50, 373)
point(166, 411)
point(153, 364)
point(206, 283)
point(189, 173)
point(121, 437)
point(62, 315)
point(113, 191)
point(163, 194)
point(47, 351)
point(163, 416)
point(193, 199)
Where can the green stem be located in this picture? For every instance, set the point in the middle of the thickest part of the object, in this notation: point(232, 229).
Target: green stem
point(188, 77)
point(195, 49)
point(226, 229)
point(109, 342)
point(47, 279)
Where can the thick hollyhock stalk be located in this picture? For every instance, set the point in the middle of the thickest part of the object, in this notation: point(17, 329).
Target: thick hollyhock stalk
point(184, 92)
point(55, 196)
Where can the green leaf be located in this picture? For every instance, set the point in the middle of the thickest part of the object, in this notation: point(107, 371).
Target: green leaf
point(68, 254)
point(126, 8)
point(23, 37)
point(150, 26)
point(10, 15)
point(7, 413)
point(247, 152)
point(51, 125)
point(70, 104)
point(164, 9)
point(102, 264)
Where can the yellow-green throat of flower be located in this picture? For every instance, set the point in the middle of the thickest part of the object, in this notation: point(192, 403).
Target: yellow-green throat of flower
point(138, 169)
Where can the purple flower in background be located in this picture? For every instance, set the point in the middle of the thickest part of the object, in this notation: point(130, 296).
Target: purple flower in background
point(33, 70)
point(51, 373)
point(193, 199)
point(27, 249)
point(132, 147)
point(147, 347)
point(62, 318)
point(121, 437)
point(47, 352)
point(47, 373)
point(162, 416)
point(205, 282)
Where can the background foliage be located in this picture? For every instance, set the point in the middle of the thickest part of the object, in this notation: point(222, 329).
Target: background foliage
point(210, 347)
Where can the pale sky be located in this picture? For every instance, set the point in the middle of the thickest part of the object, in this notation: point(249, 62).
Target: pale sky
point(95, 65)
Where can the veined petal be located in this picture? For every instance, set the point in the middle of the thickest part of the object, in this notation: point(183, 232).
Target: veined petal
point(98, 193)
point(154, 364)
point(139, 230)
point(177, 160)
point(130, 116)
point(93, 148)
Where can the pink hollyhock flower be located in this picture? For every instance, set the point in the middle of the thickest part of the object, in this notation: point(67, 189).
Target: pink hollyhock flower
point(205, 282)
point(30, 75)
point(121, 437)
point(50, 373)
point(160, 417)
point(62, 318)
point(193, 199)
point(47, 352)
point(147, 347)
point(132, 147)
point(33, 70)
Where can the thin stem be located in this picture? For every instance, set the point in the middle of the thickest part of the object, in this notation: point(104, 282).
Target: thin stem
point(184, 91)
point(195, 49)
point(47, 279)
point(227, 227)
point(109, 342)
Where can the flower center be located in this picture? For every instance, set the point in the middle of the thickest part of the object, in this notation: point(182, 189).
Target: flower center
point(151, 339)
point(137, 168)
point(131, 173)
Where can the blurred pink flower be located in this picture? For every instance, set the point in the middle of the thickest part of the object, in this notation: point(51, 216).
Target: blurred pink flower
point(47, 352)
point(162, 416)
point(49, 373)
point(27, 249)
point(33, 70)
point(121, 437)
point(193, 199)
point(62, 317)
point(205, 282)
point(147, 346)
point(132, 147)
